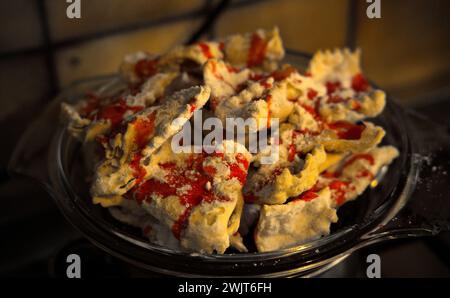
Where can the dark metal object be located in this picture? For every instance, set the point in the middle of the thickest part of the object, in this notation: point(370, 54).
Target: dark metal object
point(209, 21)
point(351, 26)
point(49, 50)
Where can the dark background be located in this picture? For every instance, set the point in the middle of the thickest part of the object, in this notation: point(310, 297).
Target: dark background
point(406, 52)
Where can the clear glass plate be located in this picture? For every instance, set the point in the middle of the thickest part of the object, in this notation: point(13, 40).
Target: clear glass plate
point(400, 206)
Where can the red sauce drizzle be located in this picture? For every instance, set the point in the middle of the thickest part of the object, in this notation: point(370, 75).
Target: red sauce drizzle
point(214, 71)
point(232, 69)
point(210, 171)
point(92, 104)
point(242, 160)
point(311, 110)
point(332, 87)
point(257, 52)
point(347, 130)
point(269, 113)
point(355, 157)
point(237, 172)
point(359, 83)
point(145, 68)
point(339, 188)
point(138, 170)
point(144, 128)
point(219, 154)
point(311, 94)
point(329, 175)
point(250, 197)
point(256, 77)
point(205, 50)
point(307, 196)
point(356, 105)
point(315, 112)
point(292, 151)
point(265, 84)
point(192, 105)
point(317, 107)
point(115, 111)
point(335, 99)
point(220, 77)
point(365, 174)
point(152, 186)
point(282, 74)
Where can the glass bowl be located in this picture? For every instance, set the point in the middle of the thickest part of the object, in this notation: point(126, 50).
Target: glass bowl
point(400, 206)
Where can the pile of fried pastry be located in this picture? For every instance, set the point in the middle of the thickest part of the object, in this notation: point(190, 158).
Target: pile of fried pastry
point(226, 201)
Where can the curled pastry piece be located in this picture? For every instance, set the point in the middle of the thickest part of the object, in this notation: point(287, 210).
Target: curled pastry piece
point(360, 106)
point(278, 101)
point(257, 49)
point(138, 66)
point(304, 121)
point(372, 104)
point(199, 53)
point(336, 137)
point(76, 124)
point(97, 115)
point(121, 169)
point(250, 103)
point(295, 223)
point(206, 230)
point(262, 101)
point(223, 79)
point(144, 133)
point(349, 95)
point(335, 66)
point(348, 179)
point(304, 89)
point(284, 182)
point(181, 105)
point(196, 195)
point(344, 136)
point(155, 87)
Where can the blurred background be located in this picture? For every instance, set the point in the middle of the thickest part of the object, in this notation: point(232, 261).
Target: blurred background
point(406, 52)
